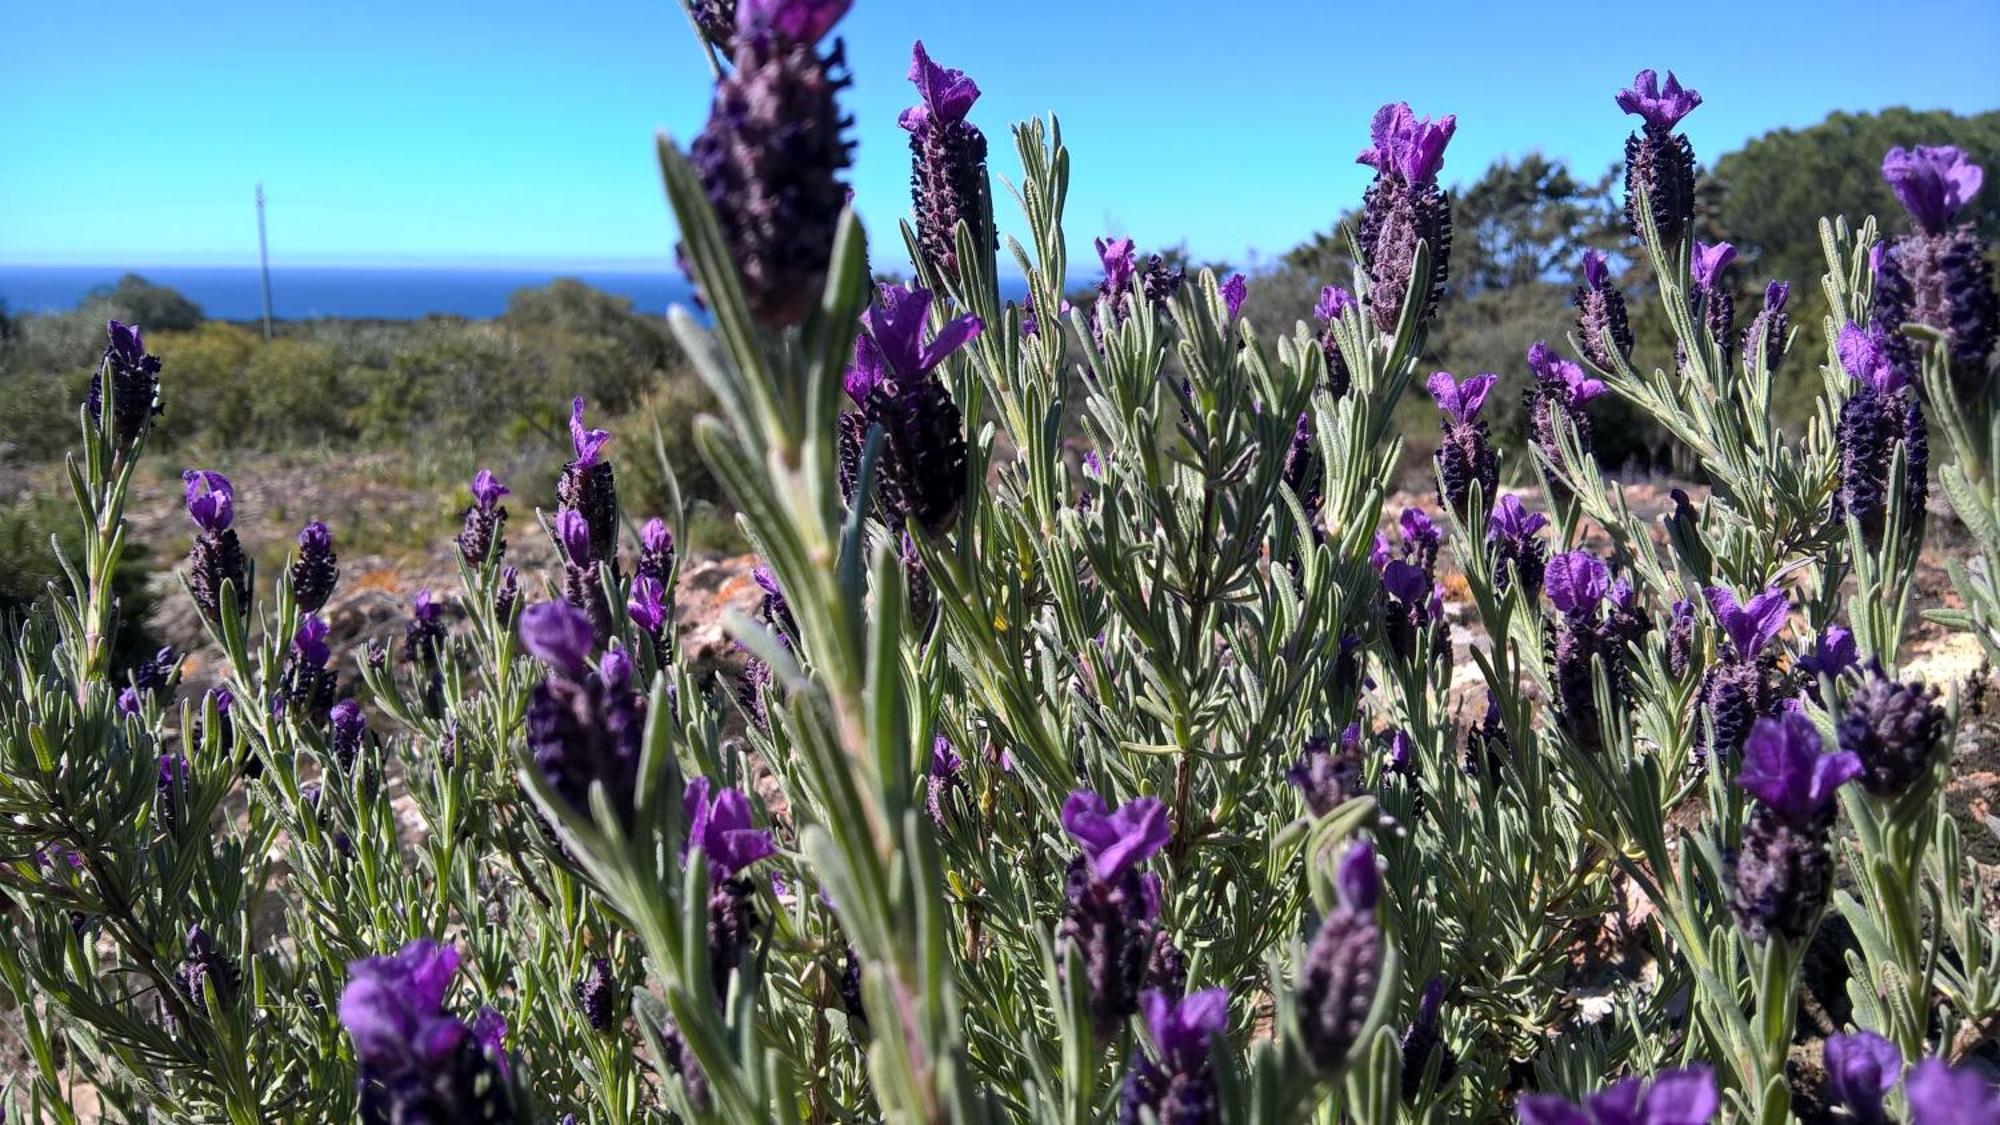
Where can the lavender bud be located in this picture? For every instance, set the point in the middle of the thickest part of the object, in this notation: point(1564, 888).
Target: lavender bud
point(1881, 414)
point(595, 994)
point(348, 734)
point(1894, 728)
point(1487, 747)
point(587, 488)
point(922, 597)
point(1334, 302)
point(1686, 1096)
point(417, 1061)
point(1783, 870)
point(1513, 538)
point(584, 724)
point(203, 965)
point(656, 552)
point(1658, 161)
point(1342, 968)
point(1765, 337)
point(1680, 640)
point(508, 596)
point(771, 154)
point(1465, 456)
point(948, 159)
point(217, 556)
point(482, 533)
point(1327, 774)
point(1303, 473)
point(1561, 390)
point(1423, 1036)
point(424, 633)
point(850, 989)
point(304, 681)
point(1177, 1086)
point(1600, 308)
point(315, 569)
point(943, 779)
point(850, 432)
point(135, 384)
point(1109, 918)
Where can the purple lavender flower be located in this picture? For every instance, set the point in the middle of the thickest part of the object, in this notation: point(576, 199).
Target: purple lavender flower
point(347, 733)
point(424, 634)
point(135, 386)
point(1659, 163)
point(216, 556)
point(1513, 537)
point(584, 725)
point(656, 552)
point(1948, 1095)
point(947, 160)
point(202, 966)
point(1743, 685)
point(1579, 586)
point(1860, 1070)
point(1177, 1084)
point(772, 152)
point(1894, 729)
point(587, 488)
point(1425, 1035)
point(1328, 773)
point(1404, 207)
point(719, 823)
point(1465, 456)
point(595, 994)
point(1304, 473)
point(942, 778)
point(716, 20)
point(1674, 1097)
point(1235, 290)
point(1833, 653)
point(1933, 183)
point(583, 586)
point(304, 682)
point(1333, 304)
point(922, 470)
point(1600, 308)
point(1561, 390)
point(315, 569)
point(1883, 412)
point(1718, 305)
point(918, 582)
point(507, 596)
point(1938, 275)
point(1765, 338)
point(1783, 870)
point(647, 608)
point(1342, 969)
point(1680, 640)
point(1487, 746)
point(481, 535)
point(1124, 281)
point(1110, 916)
point(418, 1062)
point(1578, 583)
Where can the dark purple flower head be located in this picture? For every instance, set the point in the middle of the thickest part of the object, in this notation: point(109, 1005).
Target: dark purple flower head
point(1675, 1097)
point(719, 823)
point(1512, 519)
point(1776, 294)
point(1115, 842)
point(1709, 262)
point(211, 502)
point(573, 532)
point(1405, 145)
point(1460, 401)
point(1785, 767)
point(1860, 1070)
point(1329, 773)
point(947, 94)
point(1402, 755)
point(803, 22)
point(1833, 652)
point(487, 488)
point(1578, 583)
point(1183, 1027)
point(1753, 624)
point(896, 324)
point(559, 635)
point(349, 721)
point(425, 607)
point(1864, 355)
point(1933, 182)
point(1894, 728)
point(1333, 303)
point(654, 538)
point(588, 444)
point(1553, 371)
point(310, 641)
point(647, 605)
point(130, 702)
point(1950, 1095)
point(1357, 878)
point(1662, 109)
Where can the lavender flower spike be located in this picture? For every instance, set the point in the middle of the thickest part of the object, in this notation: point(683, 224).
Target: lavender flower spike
point(1785, 768)
point(770, 157)
point(1940, 274)
point(1659, 163)
point(1404, 207)
point(1860, 1070)
point(1342, 969)
point(1782, 872)
point(480, 532)
point(947, 158)
point(922, 474)
point(216, 556)
point(315, 569)
point(1511, 534)
point(1883, 414)
point(1177, 1085)
point(418, 1062)
point(1600, 309)
point(135, 384)
point(1465, 456)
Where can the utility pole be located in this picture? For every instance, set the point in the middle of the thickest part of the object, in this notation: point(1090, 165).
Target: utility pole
point(264, 258)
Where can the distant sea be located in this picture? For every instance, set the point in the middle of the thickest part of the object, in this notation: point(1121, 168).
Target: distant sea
point(231, 293)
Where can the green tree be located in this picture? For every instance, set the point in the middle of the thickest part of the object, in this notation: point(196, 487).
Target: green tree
point(134, 300)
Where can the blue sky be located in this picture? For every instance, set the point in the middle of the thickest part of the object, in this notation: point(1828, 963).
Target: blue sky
point(519, 132)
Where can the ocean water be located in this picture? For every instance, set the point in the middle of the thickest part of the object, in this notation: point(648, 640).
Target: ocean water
point(231, 292)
